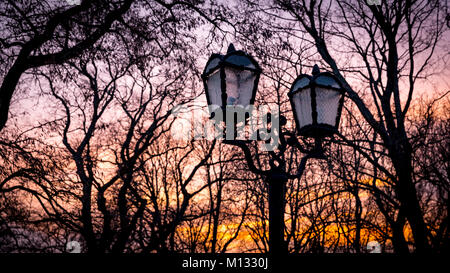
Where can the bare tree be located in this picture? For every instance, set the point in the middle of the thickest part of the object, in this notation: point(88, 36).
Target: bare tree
point(46, 33)
point(100, 165)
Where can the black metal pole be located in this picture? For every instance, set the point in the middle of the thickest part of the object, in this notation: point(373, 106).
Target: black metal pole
point(276, 180)
point(277, 185)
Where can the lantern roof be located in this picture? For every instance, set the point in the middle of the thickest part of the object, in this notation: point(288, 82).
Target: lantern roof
point(327, 79)
point(235, 58)
point(321, 79)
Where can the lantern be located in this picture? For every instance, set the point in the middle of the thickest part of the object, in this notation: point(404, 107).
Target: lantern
point(317, 103)
point(231, 79)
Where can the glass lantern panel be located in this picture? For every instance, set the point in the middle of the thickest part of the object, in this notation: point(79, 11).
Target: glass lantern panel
point(214, 90)
point(239, 85)
point(301, 83)
point(212, 65)
point(327, 81)
point(240, 60)
point(327, 105)
point(302, 104)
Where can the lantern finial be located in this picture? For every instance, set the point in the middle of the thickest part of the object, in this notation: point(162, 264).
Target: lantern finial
point(231, 48)
point(315, 70)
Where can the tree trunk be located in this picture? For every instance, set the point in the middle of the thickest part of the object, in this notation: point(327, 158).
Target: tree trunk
point(407, 194)
point(398, 237)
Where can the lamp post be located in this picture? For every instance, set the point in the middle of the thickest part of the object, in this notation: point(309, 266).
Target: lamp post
point(316, 101)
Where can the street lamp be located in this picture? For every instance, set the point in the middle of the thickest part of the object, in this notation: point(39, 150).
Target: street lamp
point(317, 103)
point(231, 79)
